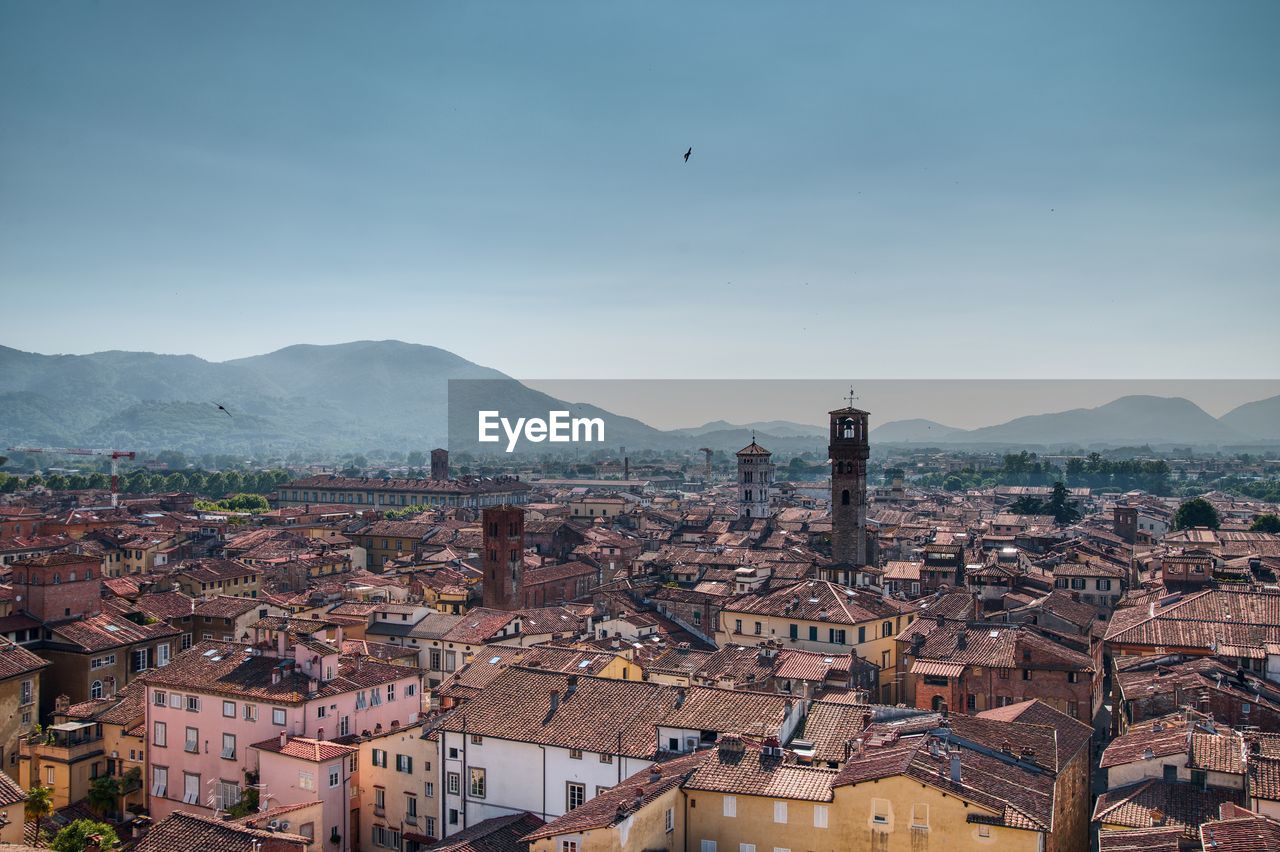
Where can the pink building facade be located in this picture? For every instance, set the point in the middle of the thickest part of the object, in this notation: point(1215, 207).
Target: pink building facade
point(213, 702)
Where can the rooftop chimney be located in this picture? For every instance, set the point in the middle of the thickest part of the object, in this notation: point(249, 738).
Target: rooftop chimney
point(555, 701)
point(284, 739)
point(731, 744)
point(955, 766)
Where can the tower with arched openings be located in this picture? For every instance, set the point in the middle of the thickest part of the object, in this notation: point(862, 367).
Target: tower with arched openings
point(848, 450)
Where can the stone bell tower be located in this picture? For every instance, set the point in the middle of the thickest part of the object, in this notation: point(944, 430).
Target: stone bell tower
point(848, 451)
point(755, 475)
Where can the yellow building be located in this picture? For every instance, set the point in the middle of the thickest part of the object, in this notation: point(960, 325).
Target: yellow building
point(12, 817)
point(901, 791)
point(825, 617)
point(100, 737)
point(19, 699)
point(397, 806)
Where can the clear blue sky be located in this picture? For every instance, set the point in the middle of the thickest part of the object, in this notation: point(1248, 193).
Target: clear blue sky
point(876, 189)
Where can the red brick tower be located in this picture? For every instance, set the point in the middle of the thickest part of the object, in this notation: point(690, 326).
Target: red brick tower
point(503, 552)
point(58, 586)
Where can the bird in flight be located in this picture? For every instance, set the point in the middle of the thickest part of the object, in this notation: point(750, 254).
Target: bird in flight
point(688, 153)
point(223, 409)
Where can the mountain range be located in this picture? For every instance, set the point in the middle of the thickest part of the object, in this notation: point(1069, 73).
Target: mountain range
point(320, 401)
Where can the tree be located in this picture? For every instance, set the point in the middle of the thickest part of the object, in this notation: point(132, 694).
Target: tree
point(1196, 513)
point(104, 792)
point(1027, 505)
point(1266, 523)
point(75, 837)
point(1063, 511)
point(417, 458)
point(38, 806)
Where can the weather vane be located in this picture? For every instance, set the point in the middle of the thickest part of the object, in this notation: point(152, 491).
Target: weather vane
point(852, 397)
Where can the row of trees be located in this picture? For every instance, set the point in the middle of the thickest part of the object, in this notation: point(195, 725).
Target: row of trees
point(213, 484)
point(1093, 471)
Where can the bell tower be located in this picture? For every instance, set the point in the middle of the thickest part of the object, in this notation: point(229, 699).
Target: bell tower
point(848, 450)
point(755, 476)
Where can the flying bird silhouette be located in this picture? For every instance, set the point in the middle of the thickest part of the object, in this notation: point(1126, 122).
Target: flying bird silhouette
point(223, 409)
point(688, 153)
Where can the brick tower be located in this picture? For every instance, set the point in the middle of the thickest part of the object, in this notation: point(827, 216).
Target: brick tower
point(503, 552)
point(440, 464)
point(58, 586)
point(848, 450)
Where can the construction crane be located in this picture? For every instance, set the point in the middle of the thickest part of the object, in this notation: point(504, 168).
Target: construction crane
point(114, 455)
point(708, 451)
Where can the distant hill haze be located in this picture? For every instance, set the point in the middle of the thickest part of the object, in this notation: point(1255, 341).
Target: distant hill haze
point(353, 397)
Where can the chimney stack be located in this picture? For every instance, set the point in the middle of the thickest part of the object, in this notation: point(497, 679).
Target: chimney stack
point(284, 739)
point(955, 766)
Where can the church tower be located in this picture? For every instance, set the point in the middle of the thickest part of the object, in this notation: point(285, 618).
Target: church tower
point(848, 450)
point(503, 557)
point(755, 475)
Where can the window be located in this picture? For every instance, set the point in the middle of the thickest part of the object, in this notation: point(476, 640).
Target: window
point(813, 634)
point(568, 846)
point(429, 789)
point(707, 846)
point(793, 632)
point(251, 712)
point(880, 811)
point(1073, 677)
point(411, 805)
point(919, 816)
point(759, 628)
point(575, 753)
point(391, 692)
point(160, 734)
point(780, 812)
point(306, 781)
point(862, 635)
point(192, 743)
point(886, 629)
point(477, 782)
point(190, 788)
point(95, 689)
point(379, 800)
point(575, 795)
point(1026, 674)
point(737, 625)
point(362, 700)
point(308, 830)
point(984, 830)
point(1104, 585)
point(836, 637)
point(746, 847)
point(669, 820)
point(380, 758)
point(453, 783)
point(375, 697)
point(277, 716)
point(431, 826)
point(193, 703)
point(320, 711)
point(404, 763)
point(477, 739)
point(159, 780)
point(162, 655)
point(159, 698)
point(819, 816)
point(141, 659)
point(335, 775)
point(229, 709)
point(229, 746)
point(731, 806)
point(49, 775)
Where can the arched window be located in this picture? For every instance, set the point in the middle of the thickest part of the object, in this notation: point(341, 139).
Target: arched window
point(95, 691)
point(57, 579)
point(72, 578)
point(88, 573)
point(937, 703)
point(846, 428)
point(844, 497)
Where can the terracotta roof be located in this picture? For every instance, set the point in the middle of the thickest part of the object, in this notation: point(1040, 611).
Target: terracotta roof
point(819, 600)
point(621, 801)
point(194, 833)
point(1165, 839)
point(232, 669)
point(499, 834)
point(10, 792)
point(16, 661)
point(1184, 805)
point(1240, 834)
point(305, 748)
point(832, 726)
point(109, 630)
point(599, 715)
point(750, 772)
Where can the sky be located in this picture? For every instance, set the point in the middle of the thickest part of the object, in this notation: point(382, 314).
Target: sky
point(883, 190)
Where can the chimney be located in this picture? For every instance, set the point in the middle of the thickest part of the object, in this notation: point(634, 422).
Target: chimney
point(284, 739)
point(655, 774)
point(962, 640)
point(440, 465)
point(572, 681)
point(1157, 817)
point(555, 701)
point(731, 744)
point(280, 647)
point(626, 468)
point(955, 766)
point(1075, 596)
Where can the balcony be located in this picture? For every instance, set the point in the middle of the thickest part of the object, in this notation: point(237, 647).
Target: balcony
point(68, 741)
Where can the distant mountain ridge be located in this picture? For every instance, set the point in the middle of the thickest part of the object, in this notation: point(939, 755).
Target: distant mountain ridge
point(364, 395)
